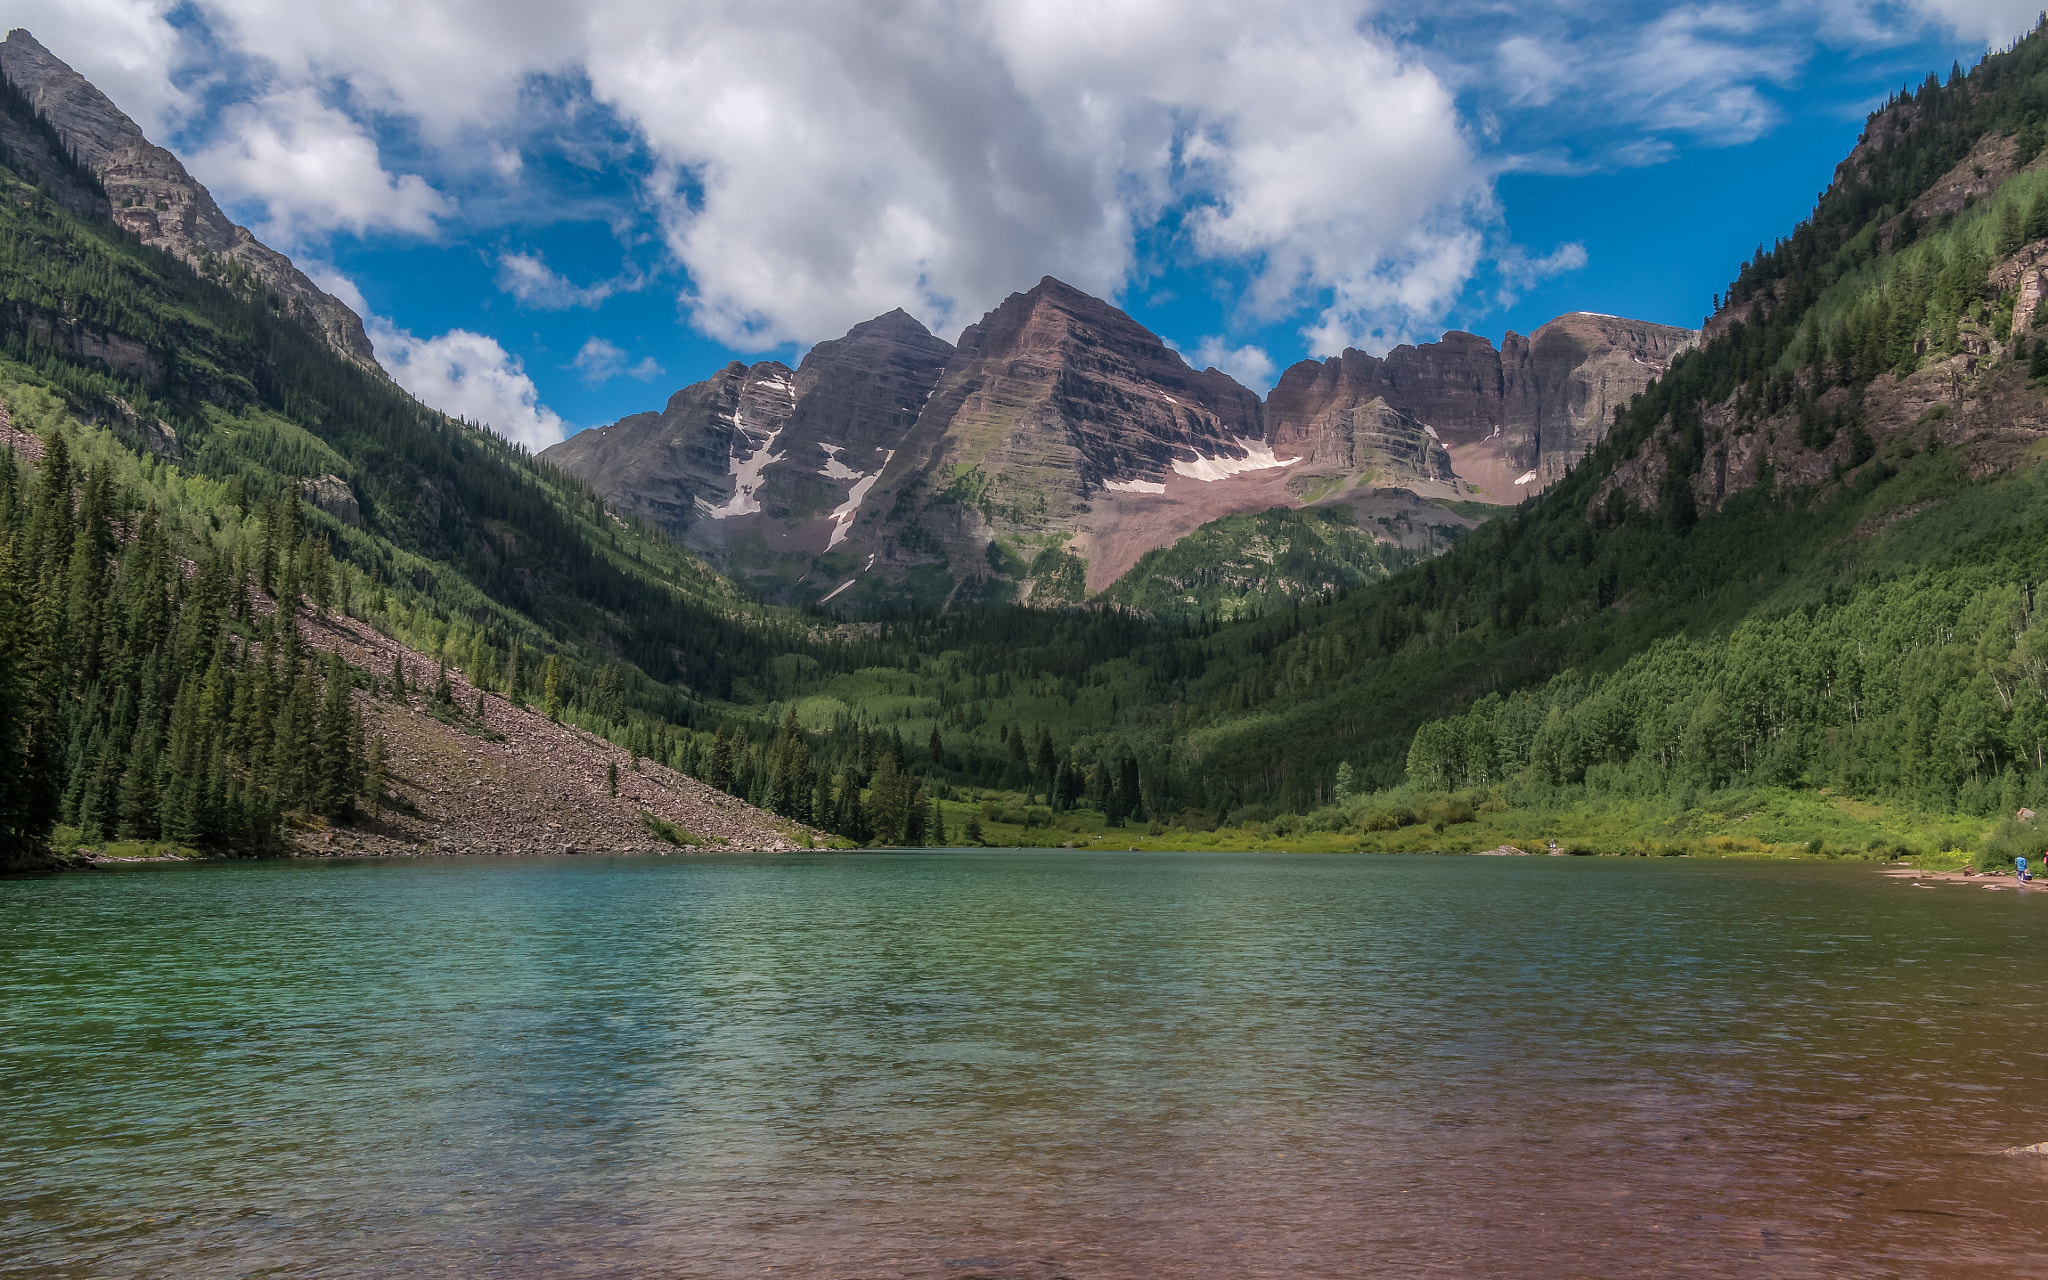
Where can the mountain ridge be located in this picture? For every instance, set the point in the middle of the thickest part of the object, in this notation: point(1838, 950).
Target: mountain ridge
point(151, 195)
point(1061, 441)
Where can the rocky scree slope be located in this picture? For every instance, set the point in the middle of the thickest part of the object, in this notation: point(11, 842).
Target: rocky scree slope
point(1061, 441)
point(489, 776)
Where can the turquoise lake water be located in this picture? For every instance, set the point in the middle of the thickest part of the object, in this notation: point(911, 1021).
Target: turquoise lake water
point(962, 1064)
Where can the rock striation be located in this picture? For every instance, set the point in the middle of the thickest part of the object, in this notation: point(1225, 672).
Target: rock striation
point(150, 194)
point(1061, 440)
point(1511, 421)
point(761, 467)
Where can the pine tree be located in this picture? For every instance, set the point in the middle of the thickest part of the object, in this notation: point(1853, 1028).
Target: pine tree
point(376, 775)
point(2011, 228)
point(551, 686)
point(852, 820)
point(398, 677)
point(720, 771)
point(333, 794)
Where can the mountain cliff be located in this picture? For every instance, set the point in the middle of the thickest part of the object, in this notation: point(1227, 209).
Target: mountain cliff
point(1061, 441)
point(1509, 422)
point(764, 468)
point(150, 194)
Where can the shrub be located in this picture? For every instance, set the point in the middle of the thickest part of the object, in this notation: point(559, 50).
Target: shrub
point(669, 831)
point(2011, 839)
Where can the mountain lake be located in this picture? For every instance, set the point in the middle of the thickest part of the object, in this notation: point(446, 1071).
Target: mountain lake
point(1001, 1064)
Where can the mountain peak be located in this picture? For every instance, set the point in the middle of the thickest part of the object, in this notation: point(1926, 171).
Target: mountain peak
point(154, 197)
point(896, 323)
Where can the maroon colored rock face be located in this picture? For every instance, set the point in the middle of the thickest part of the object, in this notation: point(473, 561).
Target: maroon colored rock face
point(765, 455)
point(1062, 440)
point(1511, 420)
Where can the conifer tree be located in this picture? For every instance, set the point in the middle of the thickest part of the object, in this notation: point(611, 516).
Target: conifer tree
point(852, 814)
point(720, 771)
point(551, 686)
point(376, 775)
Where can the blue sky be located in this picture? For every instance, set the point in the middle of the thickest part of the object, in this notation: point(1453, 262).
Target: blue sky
point(552, 214)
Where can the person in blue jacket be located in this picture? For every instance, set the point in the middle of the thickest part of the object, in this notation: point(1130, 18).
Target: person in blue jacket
point(2019, 867)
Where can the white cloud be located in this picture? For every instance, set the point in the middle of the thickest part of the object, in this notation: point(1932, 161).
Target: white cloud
point(1995, 22)
point(527, 277)
point(1248, 364)
point(600, 361)
point(468, 375)
point(1518, 270)
point(315, 169)
point(827, 165)
point(127, 48)
point(816, 164)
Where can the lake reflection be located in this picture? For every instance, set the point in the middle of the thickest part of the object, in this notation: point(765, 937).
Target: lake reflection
point(1021, 1064)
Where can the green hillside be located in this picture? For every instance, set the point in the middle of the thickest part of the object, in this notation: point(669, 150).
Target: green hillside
point(1261, 560)
point(1649, 655)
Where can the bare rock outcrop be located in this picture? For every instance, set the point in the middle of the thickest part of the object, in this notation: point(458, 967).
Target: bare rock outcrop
point(1511, 420)
point(1062, 440)
point(150, 193)
point(768, 455)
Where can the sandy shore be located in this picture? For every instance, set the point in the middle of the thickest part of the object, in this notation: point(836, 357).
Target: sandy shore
point(1981, 880)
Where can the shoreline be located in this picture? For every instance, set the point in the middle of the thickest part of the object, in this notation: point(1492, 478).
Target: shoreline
point(84, 859)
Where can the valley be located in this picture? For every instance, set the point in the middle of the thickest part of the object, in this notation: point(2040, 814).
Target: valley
point(1617, 585)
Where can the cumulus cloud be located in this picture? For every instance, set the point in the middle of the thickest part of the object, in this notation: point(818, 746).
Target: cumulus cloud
point(815, 164)
point(600, 361)
point(468, 375)
point(128, 48)
point(1250, 365)
point(315, 169)
point(825, 165)
point(1518, 269)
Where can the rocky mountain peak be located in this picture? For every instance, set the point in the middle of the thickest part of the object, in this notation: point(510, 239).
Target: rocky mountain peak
point(153, 196)
point(1061, 440)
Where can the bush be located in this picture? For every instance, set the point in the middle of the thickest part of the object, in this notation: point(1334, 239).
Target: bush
point(668, 831)
point(1386, 818)
point(2011, 839)
point(1450, 811)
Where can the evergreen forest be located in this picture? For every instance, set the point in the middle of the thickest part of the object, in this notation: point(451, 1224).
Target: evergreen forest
point(1848, 658)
